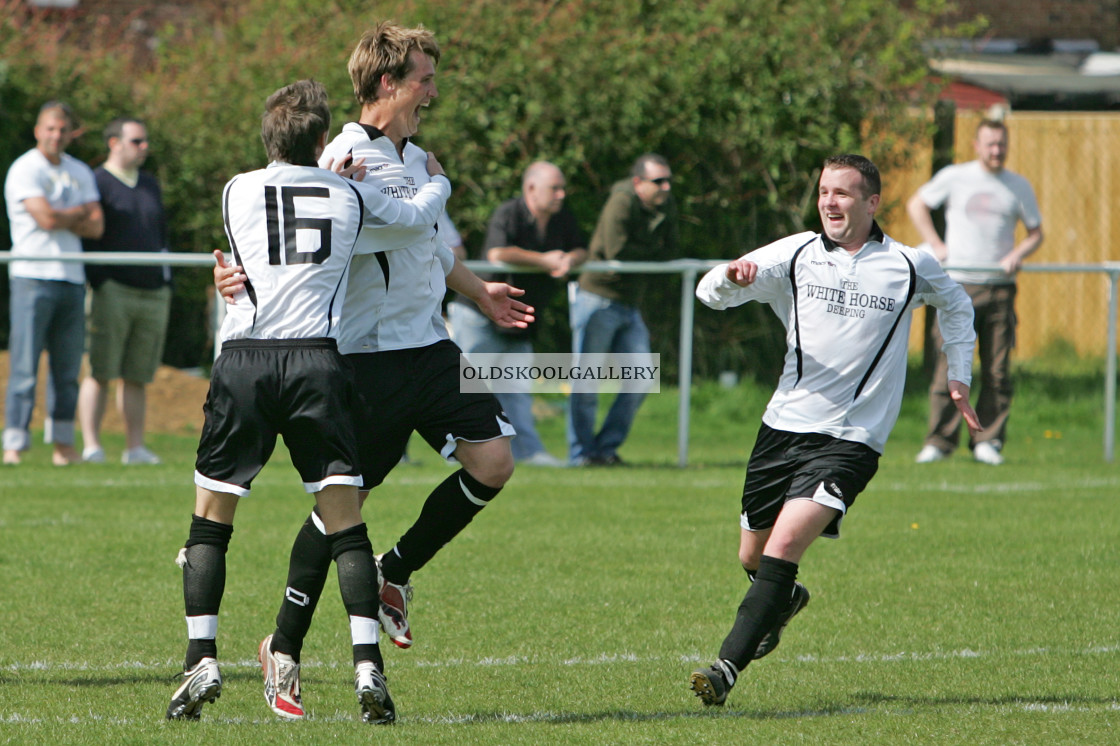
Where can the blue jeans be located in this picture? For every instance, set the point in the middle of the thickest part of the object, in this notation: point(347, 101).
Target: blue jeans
point(50, 315)
point(474, 333)
point(602, 325)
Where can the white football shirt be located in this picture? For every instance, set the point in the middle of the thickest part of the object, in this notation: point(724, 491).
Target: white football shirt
point(294, 230)
point(847, 320)
point(394, 297)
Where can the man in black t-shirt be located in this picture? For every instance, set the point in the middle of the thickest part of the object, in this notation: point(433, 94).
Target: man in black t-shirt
point(534, 230)
point(130, 305)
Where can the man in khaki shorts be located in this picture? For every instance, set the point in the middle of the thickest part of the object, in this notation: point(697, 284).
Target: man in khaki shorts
point(130, 304)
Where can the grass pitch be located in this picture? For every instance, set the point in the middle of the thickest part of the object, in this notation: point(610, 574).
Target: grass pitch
point(964, 604)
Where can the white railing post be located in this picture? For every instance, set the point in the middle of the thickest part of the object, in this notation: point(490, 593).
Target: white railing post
point(684, 376)
point(1110, 370)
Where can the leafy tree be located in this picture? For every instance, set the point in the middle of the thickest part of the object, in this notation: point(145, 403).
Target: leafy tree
point(744, 97)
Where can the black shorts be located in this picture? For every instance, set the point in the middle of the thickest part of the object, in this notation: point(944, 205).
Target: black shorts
point(300, 389)
point(402, 391)
point(786, 465)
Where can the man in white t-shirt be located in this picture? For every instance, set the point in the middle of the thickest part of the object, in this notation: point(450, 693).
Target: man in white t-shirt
point(53, 204)
point(983, 204)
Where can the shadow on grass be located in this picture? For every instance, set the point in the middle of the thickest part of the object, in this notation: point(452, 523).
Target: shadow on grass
point(630, 716)
point(864, 703)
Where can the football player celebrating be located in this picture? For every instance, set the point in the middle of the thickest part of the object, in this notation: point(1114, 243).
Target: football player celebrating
point(845, 298)
point(293, 228)
point(407, 369)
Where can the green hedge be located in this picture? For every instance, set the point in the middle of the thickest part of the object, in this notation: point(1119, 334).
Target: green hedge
point(745, 98)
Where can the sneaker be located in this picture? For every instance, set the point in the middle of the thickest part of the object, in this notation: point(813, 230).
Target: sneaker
point(711, 684)
point(373, 695)
point(93, 455)
point(392, 612)
point(140, 455)
point(201, 684)
point(929, 454)
point(797, 602)
point(987, 453)
point(543, 458)
point(281, 681)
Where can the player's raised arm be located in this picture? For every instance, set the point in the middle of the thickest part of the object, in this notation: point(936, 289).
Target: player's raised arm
point(420, 211)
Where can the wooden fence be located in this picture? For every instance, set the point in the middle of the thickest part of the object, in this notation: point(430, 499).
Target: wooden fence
point(1073, 161)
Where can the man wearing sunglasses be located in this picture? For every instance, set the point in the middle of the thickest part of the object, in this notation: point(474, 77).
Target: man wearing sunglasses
point(638, 224)
point(130, 303)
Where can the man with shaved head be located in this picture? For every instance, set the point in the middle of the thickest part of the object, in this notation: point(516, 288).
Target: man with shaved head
point(534, 230)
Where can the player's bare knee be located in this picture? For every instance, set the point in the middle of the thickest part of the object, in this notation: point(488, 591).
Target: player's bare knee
point(490, 463)
point(493, 473)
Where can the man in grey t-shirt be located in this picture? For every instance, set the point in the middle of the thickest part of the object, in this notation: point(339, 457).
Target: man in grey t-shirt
point(984, 202)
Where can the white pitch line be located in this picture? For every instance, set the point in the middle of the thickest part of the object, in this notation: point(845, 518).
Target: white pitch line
point(599, 660)
point(962, 487)
point(546, 716)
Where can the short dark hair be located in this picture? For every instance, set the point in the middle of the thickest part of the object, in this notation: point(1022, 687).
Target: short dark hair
point(295, 118)
point(872, 184)
point(638, 170)
point(62, 109)
point(992, 124)
point(115, 128)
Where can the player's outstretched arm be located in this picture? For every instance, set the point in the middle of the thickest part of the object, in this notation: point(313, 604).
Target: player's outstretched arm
point(496, 300)
point(228, 278)
point(500, 306)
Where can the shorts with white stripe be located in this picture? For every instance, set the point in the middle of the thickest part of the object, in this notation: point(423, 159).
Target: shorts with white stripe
point(302, 390)
point(785, 466)
point(418, 390)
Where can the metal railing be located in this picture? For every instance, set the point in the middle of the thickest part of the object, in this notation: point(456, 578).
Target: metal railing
point(688, 269)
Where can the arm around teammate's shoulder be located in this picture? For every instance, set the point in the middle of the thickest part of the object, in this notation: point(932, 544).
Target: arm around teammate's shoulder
point(420, 211)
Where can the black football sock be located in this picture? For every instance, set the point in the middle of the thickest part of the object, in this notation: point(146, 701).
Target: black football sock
point(767, 598)
point(357, 580)
point(308, 566)
point(203, 560)
point(447, 511)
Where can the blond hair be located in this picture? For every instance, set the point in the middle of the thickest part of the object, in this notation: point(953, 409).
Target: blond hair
point(386, 50)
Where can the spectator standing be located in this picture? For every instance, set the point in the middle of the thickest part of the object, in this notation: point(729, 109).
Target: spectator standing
point(984, 202)
point(845, 298)
point(534, 230)
point(638, 223)
point(52, 204)
point(130, 304)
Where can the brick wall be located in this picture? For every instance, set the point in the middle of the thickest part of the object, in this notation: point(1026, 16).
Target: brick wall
point(1049, 19)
